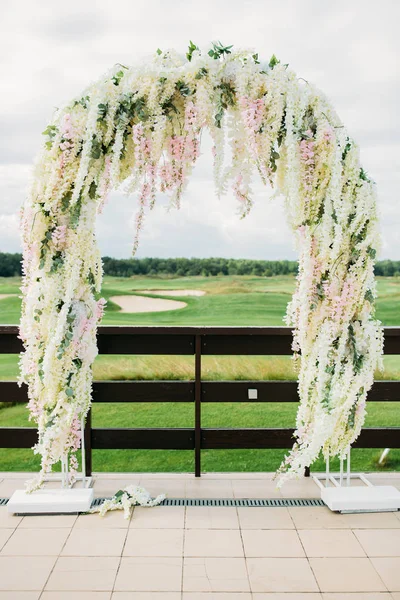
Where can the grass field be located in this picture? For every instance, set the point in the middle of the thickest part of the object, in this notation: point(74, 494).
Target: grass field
point(228, 301)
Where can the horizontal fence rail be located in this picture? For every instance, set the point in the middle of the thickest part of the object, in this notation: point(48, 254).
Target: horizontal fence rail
point(198, 342)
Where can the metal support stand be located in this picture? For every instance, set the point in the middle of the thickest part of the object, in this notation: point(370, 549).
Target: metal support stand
point(339, 495)
point(68, 499)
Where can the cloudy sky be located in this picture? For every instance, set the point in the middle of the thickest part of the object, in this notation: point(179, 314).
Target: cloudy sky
point(50, 51)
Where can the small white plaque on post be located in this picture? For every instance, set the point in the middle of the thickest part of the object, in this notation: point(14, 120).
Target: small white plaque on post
point(51, 501)
point(252, 394)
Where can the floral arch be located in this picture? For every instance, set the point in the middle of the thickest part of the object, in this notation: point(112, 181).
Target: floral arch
point(140, 128)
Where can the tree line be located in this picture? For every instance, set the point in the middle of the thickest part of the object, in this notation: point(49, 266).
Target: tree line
point(10, 265)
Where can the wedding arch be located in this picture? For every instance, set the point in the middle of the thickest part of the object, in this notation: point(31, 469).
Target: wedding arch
point(140, 128)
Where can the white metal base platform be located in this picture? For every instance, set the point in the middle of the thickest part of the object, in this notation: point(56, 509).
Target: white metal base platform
point(51, 501)
point(361, 499)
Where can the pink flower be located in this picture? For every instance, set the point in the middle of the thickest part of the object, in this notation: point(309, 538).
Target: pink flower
point(100, 306)
point(59, 236)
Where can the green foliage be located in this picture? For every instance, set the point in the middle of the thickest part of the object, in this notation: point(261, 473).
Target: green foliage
point(183, 89)
point(273, 61)
point(347, 148)
point(102, 110)
point(83, 102)
point(201, 73)
point(225, 99)
point(191, 49)
point(10, 264)
point(96, 149)
point(50, 132)
point(218, 50)
point(117, 77)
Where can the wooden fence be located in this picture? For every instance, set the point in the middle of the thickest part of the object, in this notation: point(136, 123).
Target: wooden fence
point(198, 342)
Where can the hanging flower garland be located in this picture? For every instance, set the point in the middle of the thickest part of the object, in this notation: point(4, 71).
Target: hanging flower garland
point(140, 128)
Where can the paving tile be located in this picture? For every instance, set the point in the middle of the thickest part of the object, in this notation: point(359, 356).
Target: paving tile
point(76, 596)
point(360, 596)
point(302, 488)
point(287, 596)
point(215, 575)
point(272, 542)
point(384, 520)
point(158, 517)
point(47, 522)
point(264, 518)
point(379, 542)
point(213, 542)
point(173, 488)
point(7, 520)
point(19, 595)
point(356, 575)
point(389, 571)
point(8, 486)
point(109, 487)
point(5, 534)
point(281, 575)
point(209, 488)
point(330, 542)
point(149, 574)
point(216, 596)
point(111, 520)
point(35, 542)
point(395, 596)
point(211, 517)
point(255, 489)
point(154, 542)
point(83, 574)
point(317, 517)
point(95, 542)
point(146, 596)
point(24, 572)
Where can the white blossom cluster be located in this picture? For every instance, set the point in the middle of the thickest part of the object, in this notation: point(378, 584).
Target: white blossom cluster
point(140, 128)
point(131, 495)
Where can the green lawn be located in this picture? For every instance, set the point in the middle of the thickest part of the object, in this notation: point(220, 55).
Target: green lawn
point(228, 301)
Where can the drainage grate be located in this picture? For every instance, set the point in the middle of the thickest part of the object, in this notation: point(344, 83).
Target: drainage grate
point(252, 502)
point(256, 502)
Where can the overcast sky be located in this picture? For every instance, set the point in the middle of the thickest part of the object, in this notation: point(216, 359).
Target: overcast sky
point(50, 51)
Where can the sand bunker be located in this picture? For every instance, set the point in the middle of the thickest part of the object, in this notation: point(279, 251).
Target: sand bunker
point(141, 304)
point(175, 292)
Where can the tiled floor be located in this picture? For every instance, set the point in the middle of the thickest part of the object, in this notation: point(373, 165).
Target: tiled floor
point(201, 553)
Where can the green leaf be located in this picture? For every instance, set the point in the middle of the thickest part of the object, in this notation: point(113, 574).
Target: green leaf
point(192, 48)
point(92, 190)
point(201, 73)
point(96, 149)
point(69, 392)
point(159, 52)
point(183, 89)
point(273, 61)
point(102, 110)
point(117, 77)
point(346, 149)
point(119, 494)
point(219, 50)
point(50, 131)
point(369, 296)
point(371, 252)
point(364, 175)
